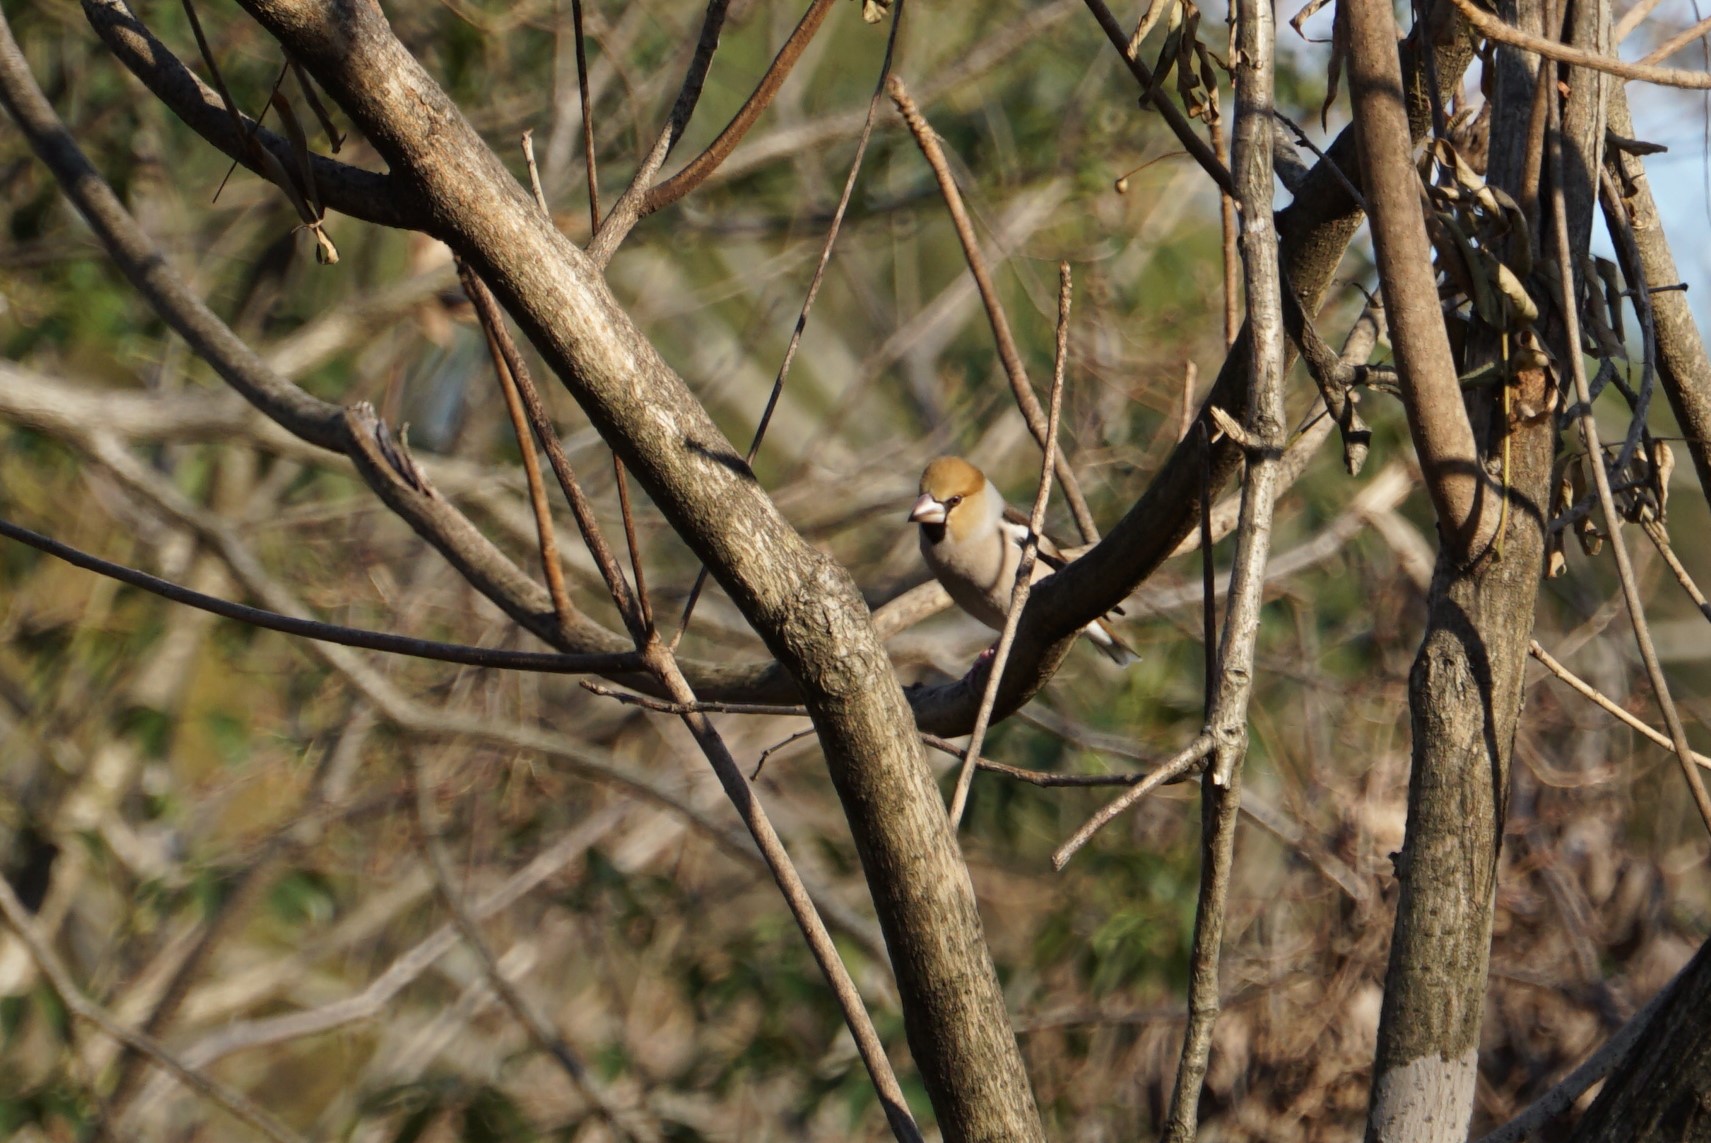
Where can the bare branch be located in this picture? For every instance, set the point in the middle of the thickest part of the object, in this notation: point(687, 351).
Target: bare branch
point(1025, 567)
point(696, 707)
point(628, 209)
point(1494, 28)
point(587, 118)
point(813, 284)
point(1604, 703)
point(1190, 757)
point(562, 606)
point(240, 1106)
point(695, 172)
point(1431, 392)
point(1008, 354)
point(378, 198)
point(492, 657)
point(1601, 477)
point(1227, 720)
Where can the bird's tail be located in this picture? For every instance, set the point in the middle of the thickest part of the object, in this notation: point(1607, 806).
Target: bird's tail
point(1110, 644)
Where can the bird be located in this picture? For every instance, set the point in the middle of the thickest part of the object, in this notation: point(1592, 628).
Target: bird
point(972, 541)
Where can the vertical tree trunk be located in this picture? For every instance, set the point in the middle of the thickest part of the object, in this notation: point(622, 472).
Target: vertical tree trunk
point(1465, 690)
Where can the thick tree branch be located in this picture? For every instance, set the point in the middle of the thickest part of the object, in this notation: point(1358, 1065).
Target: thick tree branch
point(1313, 232)
point(1431, 393)
point(1642, 248)
point(805, 608)
point(1494, 28)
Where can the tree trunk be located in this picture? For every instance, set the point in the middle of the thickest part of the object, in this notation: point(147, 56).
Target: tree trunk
point(1466, 687)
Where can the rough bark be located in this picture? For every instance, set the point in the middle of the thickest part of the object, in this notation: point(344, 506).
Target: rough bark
point(1662, 1088)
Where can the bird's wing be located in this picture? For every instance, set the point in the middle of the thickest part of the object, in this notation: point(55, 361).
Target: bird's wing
point(1015, 526)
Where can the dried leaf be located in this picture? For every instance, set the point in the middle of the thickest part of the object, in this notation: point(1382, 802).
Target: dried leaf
point(1663, 465)
point(307, 87)
point(1307, 13)
point(300, 152)
point(1519, 307)
point(1148, 21)
point(1612, 279)
point(1334, 66)
point(1591, 540)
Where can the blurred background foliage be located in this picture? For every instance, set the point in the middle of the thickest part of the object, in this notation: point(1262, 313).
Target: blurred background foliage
point(192, 805)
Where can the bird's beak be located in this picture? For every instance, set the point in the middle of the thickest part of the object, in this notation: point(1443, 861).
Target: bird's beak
point(927, 510)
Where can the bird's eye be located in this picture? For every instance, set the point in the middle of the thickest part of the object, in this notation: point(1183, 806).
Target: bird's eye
point(952, 502)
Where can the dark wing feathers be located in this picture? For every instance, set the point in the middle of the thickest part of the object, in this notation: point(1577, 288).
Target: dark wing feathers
point(1015, 526)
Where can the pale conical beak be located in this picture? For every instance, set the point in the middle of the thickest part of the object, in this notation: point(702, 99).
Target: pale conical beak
point(927, 510)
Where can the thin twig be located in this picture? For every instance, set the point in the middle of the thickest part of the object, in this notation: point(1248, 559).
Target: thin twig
point(1337, 172)
point(647, 702)
point(1493, 28)
point(832, 233)
point(1632, 18)
point(1227, 724)
point(627, 210)
point(1173, 116)
point(696, 171)
point(233, 1101)
point(587, 117)
point(534, 172)
point(1595, 459)
point(580, 507)
point(788, 740)
point(622, 479)
point(1676, 42)
point(546, 1038)
point(1227, 229)
point(494, 657)
point(1659, 537)
point(1208, 574)
point(1185, 760)
point(554, 571)
point(1008, 354)
point(1604, 703)
point(1025, 566)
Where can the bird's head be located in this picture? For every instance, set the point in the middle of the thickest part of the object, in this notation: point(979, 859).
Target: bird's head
point(953, 495)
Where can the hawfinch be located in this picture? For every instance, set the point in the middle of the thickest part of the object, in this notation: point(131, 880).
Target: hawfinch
point(973, 542)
